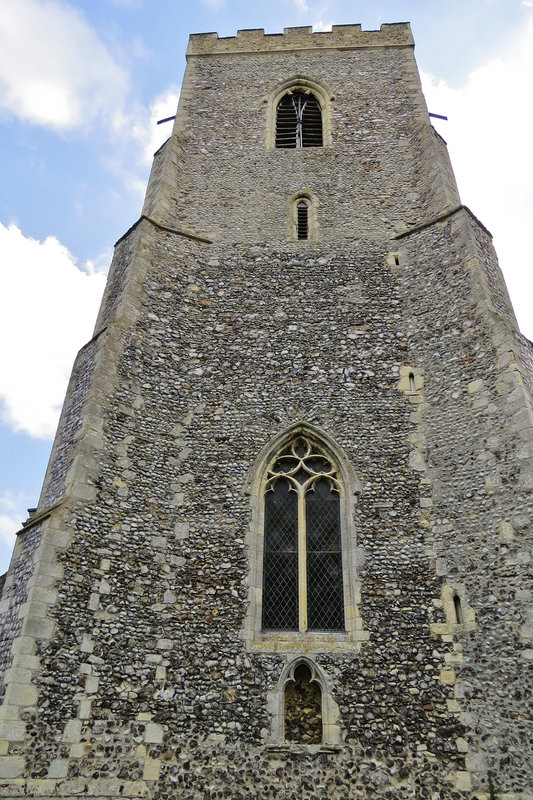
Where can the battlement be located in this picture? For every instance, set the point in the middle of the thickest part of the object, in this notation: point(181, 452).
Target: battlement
point(344, 37)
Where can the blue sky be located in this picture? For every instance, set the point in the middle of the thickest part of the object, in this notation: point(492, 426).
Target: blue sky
point(82, 85)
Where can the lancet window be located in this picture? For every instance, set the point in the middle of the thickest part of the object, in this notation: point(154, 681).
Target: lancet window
point(299, 120)
point(302, 559)
point(302, 219)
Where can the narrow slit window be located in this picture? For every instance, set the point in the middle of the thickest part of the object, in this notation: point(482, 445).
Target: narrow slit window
point(302, 219)
point(412, 386)
point(298, 121)
point(458, 609)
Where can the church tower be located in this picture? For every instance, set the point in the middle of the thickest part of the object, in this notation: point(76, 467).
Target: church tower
point(283, 541)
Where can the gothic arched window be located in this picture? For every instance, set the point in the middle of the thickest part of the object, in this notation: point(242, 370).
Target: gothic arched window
point(299, 120)
point(302, 558)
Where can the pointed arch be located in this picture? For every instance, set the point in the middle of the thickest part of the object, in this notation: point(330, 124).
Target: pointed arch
point(302, 711)
point(298, 120)
point(308, 568)
point(298, 109)
point(303, 223)
point(328, 710)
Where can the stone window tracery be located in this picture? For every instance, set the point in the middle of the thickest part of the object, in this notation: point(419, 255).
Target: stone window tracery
point(298, 120)
point(302, 560)
point(302, 547)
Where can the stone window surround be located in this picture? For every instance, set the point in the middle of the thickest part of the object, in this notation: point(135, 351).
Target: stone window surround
point(331, 733)
point(303, 84)
point(312, 216)
point(349, 487)
point(449, 592)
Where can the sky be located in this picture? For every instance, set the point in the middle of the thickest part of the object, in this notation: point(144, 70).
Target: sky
point(82, 85)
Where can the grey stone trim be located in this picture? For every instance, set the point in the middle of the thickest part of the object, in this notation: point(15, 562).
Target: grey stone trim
point(178, 231)
point(37, 518)
point(442, 218)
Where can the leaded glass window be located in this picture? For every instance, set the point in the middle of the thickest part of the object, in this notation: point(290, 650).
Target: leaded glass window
point(302, 561)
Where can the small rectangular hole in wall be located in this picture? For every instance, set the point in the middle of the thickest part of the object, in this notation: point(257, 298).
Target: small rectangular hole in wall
point(458, 609)
point(397, 260)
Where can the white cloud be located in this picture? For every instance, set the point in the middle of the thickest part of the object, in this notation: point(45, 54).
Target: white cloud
point(322, 26)
point(164, 105)
point(12, 513)
point(54, 69)
point(56, 72)
point(301, 5)
point(135, 149)
point(47, 311)
point(488, 133)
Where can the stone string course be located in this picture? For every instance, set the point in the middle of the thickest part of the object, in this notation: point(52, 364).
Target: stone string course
point(393, 334)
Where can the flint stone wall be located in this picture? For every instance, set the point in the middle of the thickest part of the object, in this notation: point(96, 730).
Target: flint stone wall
point(149, 631)
point(148, 686)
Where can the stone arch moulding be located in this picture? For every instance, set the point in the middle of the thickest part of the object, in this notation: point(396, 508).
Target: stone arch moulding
point(290, 641)
point(300, 83)
point(331, 732)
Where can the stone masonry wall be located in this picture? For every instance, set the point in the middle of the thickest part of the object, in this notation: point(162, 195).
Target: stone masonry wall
point(526, 349)
point(15, 594)
point(148, 675)
point(375, 178)
point(480, 506)
point(69, 427)
point(145, 682)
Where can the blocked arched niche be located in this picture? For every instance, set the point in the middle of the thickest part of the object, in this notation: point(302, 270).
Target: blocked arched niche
point(310, 638)
point(299, 83)
point(302, 708)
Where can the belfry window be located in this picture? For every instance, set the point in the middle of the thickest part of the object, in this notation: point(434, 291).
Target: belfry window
point(302, 560)
point(299, 120)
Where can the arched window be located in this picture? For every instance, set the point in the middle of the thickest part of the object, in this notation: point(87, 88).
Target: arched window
point(302, 559)
point(303, 216)
point(304, 589)
point(302, 219)
point(299, 120)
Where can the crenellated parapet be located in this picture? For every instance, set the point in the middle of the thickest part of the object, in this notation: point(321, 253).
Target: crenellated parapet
point(340, 37)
